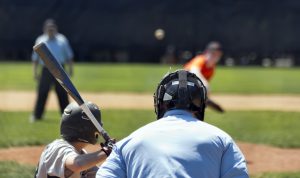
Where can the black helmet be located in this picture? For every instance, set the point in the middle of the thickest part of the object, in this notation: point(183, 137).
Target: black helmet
point(76, 126)
point(180, 90)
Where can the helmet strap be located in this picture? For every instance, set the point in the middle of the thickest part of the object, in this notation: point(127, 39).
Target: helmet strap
point(160, 94)
point(182, 90)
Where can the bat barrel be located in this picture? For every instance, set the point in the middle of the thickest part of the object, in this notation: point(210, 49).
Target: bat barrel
point(57, 71)
point(61, 76)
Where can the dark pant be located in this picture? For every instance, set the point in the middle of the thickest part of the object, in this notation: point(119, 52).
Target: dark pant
point(45, 83)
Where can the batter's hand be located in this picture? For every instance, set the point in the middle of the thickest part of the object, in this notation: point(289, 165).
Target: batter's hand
point(108, 146)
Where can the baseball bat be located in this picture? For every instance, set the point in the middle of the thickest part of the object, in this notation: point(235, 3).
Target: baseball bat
point(62, 77)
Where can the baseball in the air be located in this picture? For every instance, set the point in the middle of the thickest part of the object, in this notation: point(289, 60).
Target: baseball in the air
point(159, 34)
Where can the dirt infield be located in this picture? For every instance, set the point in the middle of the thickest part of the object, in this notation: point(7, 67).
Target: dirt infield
point(24, 101)
point(260, 158)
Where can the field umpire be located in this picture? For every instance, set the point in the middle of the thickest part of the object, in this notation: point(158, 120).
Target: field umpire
point(179, 143)
point(60, 48)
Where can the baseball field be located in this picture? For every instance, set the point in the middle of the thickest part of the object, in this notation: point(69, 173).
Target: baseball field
point(262, 112)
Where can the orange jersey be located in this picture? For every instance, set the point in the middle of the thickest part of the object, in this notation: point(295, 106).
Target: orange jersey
point(200, 62)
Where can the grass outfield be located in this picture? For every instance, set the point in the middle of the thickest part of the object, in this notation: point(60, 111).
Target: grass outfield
point(12, 169)
point(144, 78)
point(274, 128)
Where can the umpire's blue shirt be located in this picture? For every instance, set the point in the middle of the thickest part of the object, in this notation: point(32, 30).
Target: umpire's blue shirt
point(178, 145)
point(59, 47)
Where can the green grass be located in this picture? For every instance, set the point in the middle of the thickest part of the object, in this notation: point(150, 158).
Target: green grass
point(278, 175)
point(13, 169)
point(144, 78)
point(279, 129)
point(274, 128)
point(17, 76)
point(17, 131)
point(256, 80)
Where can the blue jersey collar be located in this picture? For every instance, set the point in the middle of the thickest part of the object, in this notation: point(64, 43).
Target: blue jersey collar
point(178, 112)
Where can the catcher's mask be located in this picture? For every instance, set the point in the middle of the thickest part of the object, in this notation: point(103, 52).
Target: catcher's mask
point(76, 126)
point(180, 90)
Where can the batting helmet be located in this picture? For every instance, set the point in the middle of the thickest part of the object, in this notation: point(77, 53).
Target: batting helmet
point(76, 126)
point(180, 90)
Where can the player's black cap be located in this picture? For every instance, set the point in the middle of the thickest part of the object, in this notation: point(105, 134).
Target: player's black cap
point(76, 126)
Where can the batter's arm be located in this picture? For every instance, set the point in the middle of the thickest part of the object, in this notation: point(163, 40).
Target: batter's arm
point(78, 163)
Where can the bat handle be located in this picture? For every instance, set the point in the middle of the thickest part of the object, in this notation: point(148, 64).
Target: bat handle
point(105, 136)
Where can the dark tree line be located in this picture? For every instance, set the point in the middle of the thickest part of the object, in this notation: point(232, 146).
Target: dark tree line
point(123, 30)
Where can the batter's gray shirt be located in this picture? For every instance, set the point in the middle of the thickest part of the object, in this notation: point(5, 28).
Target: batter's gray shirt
point(53, 158)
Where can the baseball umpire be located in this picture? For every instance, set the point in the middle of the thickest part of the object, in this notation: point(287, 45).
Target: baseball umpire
point(66, 157)
point(60, 48)
point(179, 143)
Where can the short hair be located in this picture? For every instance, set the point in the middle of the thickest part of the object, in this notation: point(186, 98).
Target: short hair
point(50, 22)
point(213, 46)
